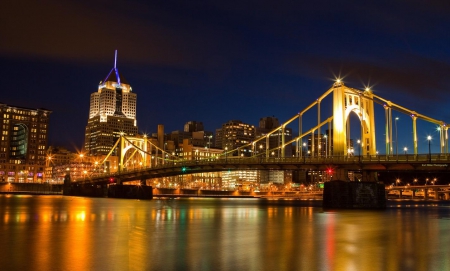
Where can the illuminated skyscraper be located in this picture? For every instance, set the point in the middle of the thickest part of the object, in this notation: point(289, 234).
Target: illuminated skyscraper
point(112, 111)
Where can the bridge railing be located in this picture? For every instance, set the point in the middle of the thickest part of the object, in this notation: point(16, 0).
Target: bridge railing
point(351, 159)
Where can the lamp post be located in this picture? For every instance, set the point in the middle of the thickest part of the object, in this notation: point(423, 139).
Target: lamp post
point(326, 145)
point(209, 142)
point(429, 147)
point(405, 149)
point(226, 154)
point(396, 138)
point(304, 152)
point(359, 147)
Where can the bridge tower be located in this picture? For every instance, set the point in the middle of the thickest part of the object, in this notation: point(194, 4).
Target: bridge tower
point(346, 101)
point(139, 144)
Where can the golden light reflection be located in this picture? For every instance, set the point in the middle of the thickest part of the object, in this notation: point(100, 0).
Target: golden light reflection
point(100, 234)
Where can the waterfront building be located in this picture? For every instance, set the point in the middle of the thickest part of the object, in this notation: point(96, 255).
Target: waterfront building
point(24, 140)
point(112, 112)
point(60, 162)
point(191, 152)
point(243, 180)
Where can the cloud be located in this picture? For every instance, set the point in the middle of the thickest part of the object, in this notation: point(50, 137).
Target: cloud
point(89, 31)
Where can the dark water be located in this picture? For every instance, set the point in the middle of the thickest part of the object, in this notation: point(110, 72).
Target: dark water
point(70, 233)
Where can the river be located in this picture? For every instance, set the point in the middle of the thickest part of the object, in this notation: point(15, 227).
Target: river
point(75, 233)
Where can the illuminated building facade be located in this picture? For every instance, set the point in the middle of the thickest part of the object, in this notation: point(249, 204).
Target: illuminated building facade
point(234, 134)
point(266, 125)
point(112, 111)
point(24, 141)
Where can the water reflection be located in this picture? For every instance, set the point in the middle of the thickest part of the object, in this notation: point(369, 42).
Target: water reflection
point(69, 233)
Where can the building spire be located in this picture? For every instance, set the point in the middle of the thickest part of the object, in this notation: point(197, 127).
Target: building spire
point(115, 60)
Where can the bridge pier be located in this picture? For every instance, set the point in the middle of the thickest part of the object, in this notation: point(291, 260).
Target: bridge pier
point(354, 195)
point(130, 191)
point(143, 182)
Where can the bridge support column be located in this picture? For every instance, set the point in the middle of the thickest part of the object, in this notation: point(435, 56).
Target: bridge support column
point(67, 186)
point(143, 182)
point(351, 195)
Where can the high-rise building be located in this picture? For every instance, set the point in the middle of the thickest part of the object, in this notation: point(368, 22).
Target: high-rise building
point(267, 125)
point(112, 112)
point(234, 134)
point(24, 141)
point(193, 126)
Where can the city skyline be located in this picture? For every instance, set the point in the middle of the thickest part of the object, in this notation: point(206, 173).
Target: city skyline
point(218, 62)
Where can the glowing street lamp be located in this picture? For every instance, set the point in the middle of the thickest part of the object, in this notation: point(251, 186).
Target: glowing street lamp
point(396, 137)
point(359, 147)
point(326, 145)
point(405, 149)
point(429, 146)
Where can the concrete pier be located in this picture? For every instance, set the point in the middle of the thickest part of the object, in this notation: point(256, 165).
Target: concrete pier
point(354, 195)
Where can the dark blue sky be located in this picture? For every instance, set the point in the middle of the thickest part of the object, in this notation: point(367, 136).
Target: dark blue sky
point(213, 61)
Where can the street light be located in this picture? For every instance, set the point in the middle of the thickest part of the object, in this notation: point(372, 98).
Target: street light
point(405, 149)
point(429, 147)
point(396, 138)
point(326, 145)
point(304, 152)
point(226, 153)
point(359, 147)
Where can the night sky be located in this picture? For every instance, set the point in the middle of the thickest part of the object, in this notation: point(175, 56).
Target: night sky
point(215, 61)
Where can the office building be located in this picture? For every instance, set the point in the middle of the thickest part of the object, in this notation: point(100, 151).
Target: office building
point(24, 133)
point(234, 134)
point(112, 112)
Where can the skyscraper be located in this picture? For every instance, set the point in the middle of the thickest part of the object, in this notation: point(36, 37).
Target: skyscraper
point(112, 112)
